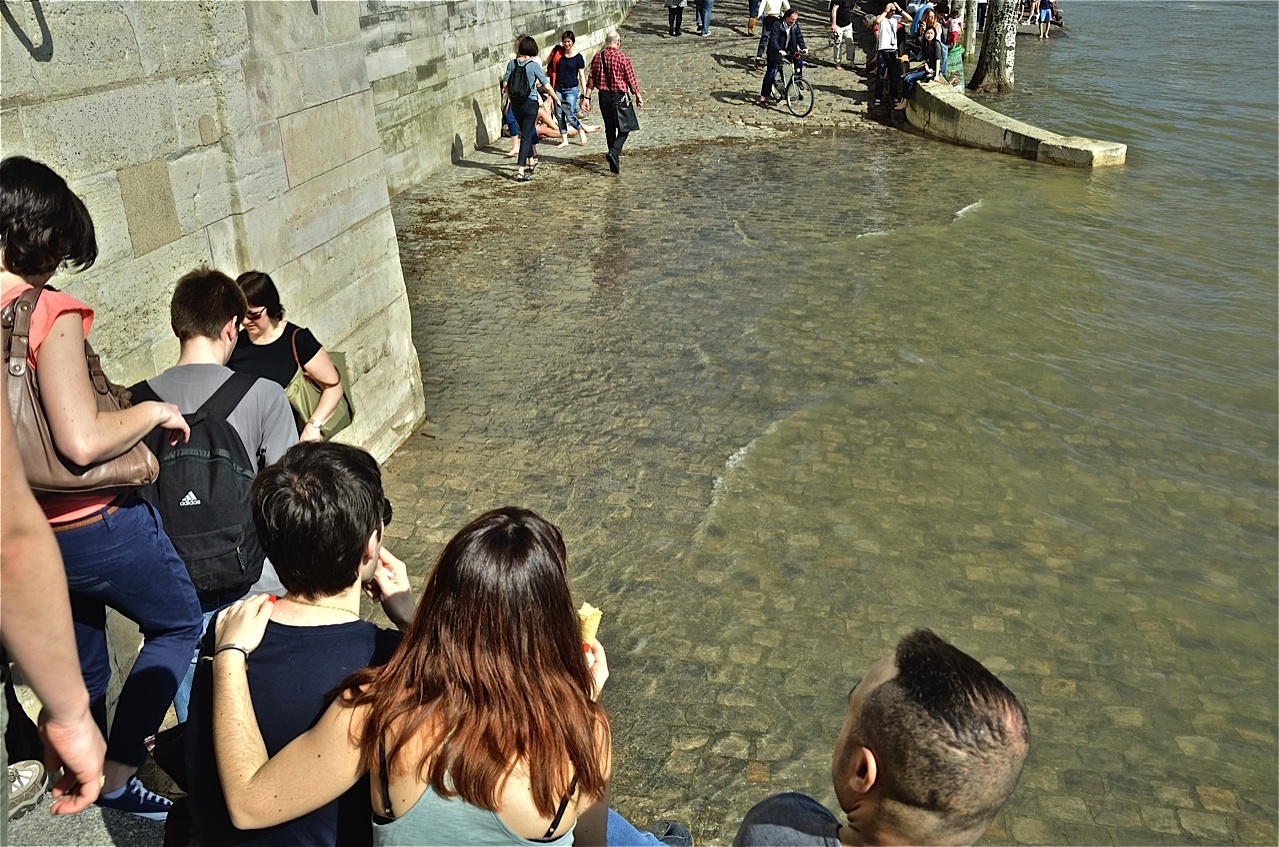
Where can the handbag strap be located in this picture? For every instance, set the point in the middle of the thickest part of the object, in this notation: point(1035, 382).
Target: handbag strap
point(17, 318)
point(293, 339)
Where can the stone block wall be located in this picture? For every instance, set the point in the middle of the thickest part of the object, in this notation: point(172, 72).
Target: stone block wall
point(235, 134)
point(436, 69)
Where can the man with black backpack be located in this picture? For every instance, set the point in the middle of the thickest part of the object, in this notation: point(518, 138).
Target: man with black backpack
point(239, 425)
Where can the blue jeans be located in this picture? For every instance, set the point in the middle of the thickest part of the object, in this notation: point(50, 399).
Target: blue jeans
point(909, 80)
point(704, 16)
point(622, 834)
point(125, 561)
point(754, 8)
point(512, 125)
point(766, 89)
point(566, 111)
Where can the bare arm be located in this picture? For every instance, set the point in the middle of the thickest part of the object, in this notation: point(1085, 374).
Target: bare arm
point(592, 814)
point(83, 433)
point(324, 372)
point(263, 792)
point(35, 626)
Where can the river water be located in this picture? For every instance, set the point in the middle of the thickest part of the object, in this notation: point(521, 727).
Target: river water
point(1030, 407)
point(805, 399)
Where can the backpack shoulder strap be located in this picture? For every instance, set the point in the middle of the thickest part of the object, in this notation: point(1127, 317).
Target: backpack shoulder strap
point(142, 391)
point(228, 396)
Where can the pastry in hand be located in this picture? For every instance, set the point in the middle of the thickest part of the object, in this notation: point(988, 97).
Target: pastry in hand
point(590, 618)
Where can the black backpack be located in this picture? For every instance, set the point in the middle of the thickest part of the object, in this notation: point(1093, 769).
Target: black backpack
point(517, 85)
point(202, 493)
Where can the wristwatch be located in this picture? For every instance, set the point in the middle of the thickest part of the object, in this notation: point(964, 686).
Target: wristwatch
point(315, 423)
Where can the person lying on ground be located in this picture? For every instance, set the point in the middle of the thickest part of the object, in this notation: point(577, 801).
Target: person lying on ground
point(931, 748)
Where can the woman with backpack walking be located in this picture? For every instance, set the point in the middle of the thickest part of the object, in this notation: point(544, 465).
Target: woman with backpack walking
point(520, 83)
point(113, 544)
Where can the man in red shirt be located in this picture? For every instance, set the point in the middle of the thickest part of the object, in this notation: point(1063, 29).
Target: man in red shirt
point(614, 78)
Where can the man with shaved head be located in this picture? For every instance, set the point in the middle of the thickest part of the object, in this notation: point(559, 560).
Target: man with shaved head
point(932, 746)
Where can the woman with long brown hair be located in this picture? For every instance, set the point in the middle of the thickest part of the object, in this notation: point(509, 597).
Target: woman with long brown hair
point(483, 728)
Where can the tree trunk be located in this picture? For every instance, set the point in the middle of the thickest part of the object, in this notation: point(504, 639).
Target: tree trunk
point(997, 50)
point(970, 32)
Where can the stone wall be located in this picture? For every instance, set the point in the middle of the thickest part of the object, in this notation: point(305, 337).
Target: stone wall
point(436, 68)
point(235, 134)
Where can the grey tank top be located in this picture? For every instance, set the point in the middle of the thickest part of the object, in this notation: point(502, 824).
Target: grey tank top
point(435, 820)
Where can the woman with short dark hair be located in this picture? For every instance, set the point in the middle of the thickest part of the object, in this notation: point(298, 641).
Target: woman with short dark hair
point(113, 544)
point(272, 348)
point(521, 82)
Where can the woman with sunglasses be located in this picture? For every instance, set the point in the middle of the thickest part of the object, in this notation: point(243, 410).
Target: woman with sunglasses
point(271, 347)
point(482, 728)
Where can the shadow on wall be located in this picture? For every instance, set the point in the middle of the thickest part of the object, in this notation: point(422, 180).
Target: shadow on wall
point(482, 138)
point(44, 52)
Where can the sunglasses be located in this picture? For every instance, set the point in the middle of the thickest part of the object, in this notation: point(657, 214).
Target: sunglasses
point(255, 314)
point(387, 511)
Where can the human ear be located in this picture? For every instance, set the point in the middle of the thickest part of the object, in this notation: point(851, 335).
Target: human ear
point(865, 771)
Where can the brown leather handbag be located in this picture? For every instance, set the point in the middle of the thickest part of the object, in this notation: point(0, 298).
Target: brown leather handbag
point(48, 471)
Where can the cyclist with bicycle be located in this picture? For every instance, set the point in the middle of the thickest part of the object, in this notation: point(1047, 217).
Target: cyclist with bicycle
point(785, 39)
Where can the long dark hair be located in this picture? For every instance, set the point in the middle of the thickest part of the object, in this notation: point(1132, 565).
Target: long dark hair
point(491, 671)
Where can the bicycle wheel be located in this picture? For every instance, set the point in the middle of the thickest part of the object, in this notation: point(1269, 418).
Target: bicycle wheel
point(799, 97)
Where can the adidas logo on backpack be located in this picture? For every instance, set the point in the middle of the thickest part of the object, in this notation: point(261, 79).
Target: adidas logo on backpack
point(189, 500)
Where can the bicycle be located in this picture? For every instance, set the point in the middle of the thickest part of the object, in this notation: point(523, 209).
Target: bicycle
point(795, 90)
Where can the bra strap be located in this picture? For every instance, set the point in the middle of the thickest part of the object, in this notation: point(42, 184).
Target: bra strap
point(385, 779)
point(559, 814)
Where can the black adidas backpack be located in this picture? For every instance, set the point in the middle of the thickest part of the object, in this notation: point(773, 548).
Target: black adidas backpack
point(202, 493)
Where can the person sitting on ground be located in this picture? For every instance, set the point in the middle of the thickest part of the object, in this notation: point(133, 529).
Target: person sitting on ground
point(786, 39)
point(931, 748)
point(320, 514)
point(482, 728)
point(929, 71)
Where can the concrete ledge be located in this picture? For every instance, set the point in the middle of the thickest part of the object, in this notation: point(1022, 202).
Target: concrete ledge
point(941, 111)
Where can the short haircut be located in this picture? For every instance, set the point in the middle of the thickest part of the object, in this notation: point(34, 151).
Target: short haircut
point(526, 46)
point(792, 11)
point(612, 37)
point(568, 33)
point(314, 511)
point(203, 301)
point(949, 737)
point(260, 290)
point(42, 221)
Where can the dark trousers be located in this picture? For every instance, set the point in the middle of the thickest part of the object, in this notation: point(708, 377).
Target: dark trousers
point(608, 111)
point(890, 71)
point(768, 24)
point(675, 19)
point(126, 561)
point(526, 115)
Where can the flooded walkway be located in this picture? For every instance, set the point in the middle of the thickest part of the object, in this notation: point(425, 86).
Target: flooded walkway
point(773, 448)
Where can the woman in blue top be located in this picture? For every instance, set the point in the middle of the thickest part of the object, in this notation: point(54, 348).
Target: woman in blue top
point(523, 77)
point(568, 84)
